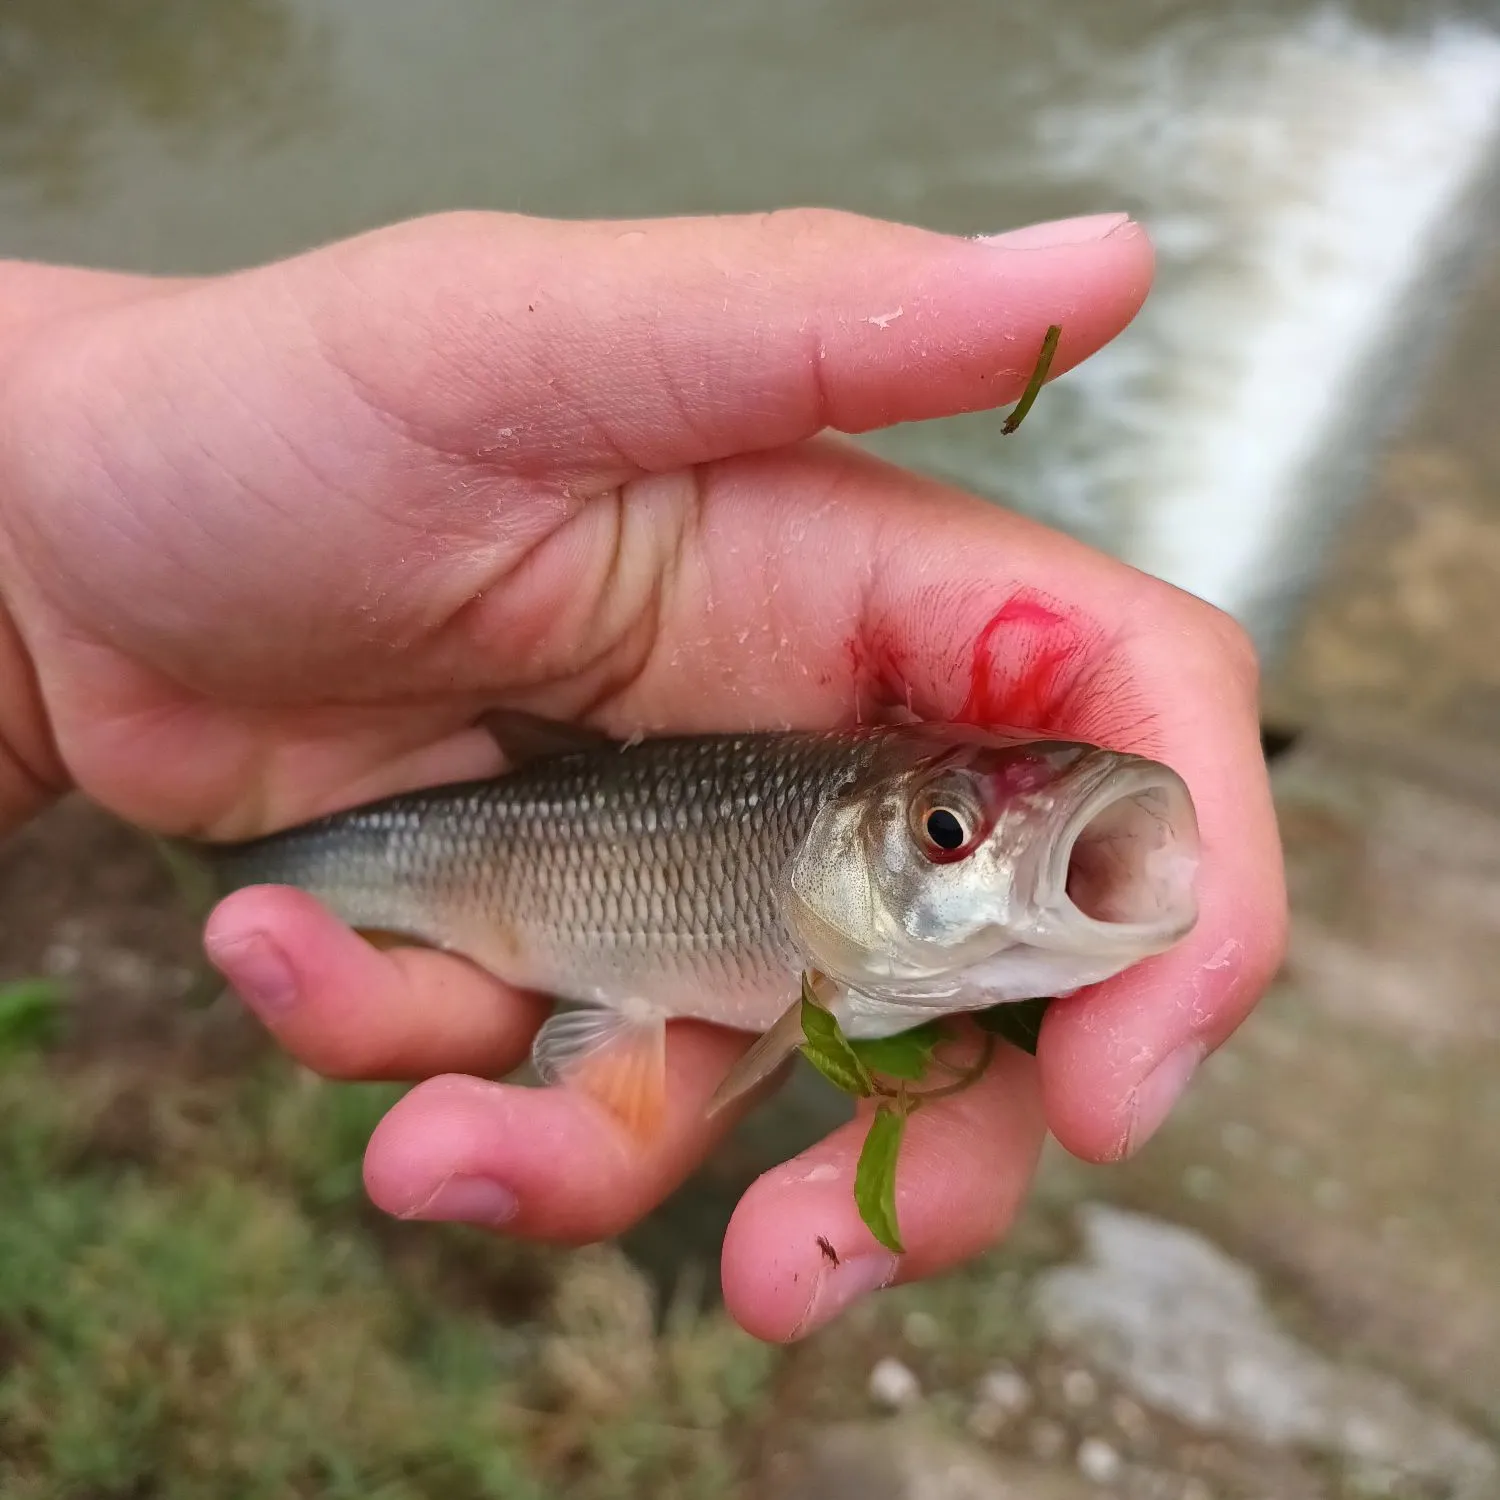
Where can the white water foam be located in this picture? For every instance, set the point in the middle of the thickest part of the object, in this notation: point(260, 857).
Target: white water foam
point(1302, 189)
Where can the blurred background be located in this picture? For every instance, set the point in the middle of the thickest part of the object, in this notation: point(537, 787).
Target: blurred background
point(1294, 1293)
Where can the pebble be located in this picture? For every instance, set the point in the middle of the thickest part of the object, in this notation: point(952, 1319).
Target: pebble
point(1130, 1419)
point(921, 1330)
point(1079, 1388)
point(1002, 1395)
point(1048, 1439)
point(1098, 1462)
point(61, 959)
point(893, 1385)
point(1200, 1182)
point(1006, 1389)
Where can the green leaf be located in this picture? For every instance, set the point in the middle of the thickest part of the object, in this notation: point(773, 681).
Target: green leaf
point(1018, 1022)
point(827, 1048)
point(875, 1176)
point(30, 1013)
point(904, 1055)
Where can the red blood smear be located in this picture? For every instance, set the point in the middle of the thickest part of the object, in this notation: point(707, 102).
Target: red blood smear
point(1038, 645)
point(1023, 664)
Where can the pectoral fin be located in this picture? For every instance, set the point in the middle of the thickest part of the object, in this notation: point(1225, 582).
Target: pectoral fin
point(769, 1052)
point(619, 1063)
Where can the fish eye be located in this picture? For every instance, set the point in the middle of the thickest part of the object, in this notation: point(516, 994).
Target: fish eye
point(946, 819)
point(945, 829)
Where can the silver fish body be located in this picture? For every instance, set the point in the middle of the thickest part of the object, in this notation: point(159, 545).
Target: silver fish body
point(621, 876)
point(922, 870)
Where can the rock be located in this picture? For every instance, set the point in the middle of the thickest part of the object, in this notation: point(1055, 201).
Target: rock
point(921, 1330)
point(1098, 1462)
point(1005, 1388)
point(1184, 1327)
point(1047, 1438)
point(985, 1422)
point(894, 1386)
point(905, 1459)
point(1002, 1395)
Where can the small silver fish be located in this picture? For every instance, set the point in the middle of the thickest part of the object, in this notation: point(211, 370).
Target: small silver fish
point(919, 870)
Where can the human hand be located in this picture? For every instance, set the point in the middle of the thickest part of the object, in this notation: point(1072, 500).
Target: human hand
point(270, 542)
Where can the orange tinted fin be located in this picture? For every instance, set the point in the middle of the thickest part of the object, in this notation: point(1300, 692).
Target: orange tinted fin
point(620, 1064)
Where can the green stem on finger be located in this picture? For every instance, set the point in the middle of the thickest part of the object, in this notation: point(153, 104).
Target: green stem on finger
point(1038, 379)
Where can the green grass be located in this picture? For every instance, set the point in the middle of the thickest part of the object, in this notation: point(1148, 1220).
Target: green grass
point(195, 1301)
point(30, 1013)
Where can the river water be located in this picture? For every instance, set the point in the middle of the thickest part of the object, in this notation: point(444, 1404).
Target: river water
point(1314, 176)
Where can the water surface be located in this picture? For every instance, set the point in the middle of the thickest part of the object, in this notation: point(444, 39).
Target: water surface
point(1312, 176)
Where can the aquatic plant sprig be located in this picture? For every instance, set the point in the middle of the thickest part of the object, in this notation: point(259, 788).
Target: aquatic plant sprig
point(1038, 379)
point(885, 1069)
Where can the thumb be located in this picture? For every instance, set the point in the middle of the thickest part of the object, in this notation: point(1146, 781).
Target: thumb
point(608, 350)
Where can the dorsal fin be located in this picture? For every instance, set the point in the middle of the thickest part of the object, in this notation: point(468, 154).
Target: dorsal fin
point(523, 737)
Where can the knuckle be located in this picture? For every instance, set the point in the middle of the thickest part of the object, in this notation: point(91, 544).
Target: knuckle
point(1236, 650)
point(1232, 640)
point(1224, 645)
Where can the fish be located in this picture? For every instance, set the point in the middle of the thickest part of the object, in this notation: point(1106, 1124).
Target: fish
point(918, 870)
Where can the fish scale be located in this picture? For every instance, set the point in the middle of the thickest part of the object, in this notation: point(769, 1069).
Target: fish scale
point(646, 871)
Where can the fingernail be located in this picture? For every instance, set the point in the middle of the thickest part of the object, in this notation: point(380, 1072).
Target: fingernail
point(1088, 230)
point(1159, 1091)
point(466, 1200)
point(841, 1286)
point(257, 971)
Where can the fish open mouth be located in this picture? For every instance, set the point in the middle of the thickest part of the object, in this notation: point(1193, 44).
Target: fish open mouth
point(1129, 855)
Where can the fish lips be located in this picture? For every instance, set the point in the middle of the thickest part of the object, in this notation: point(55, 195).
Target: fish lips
point(1121, 874)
